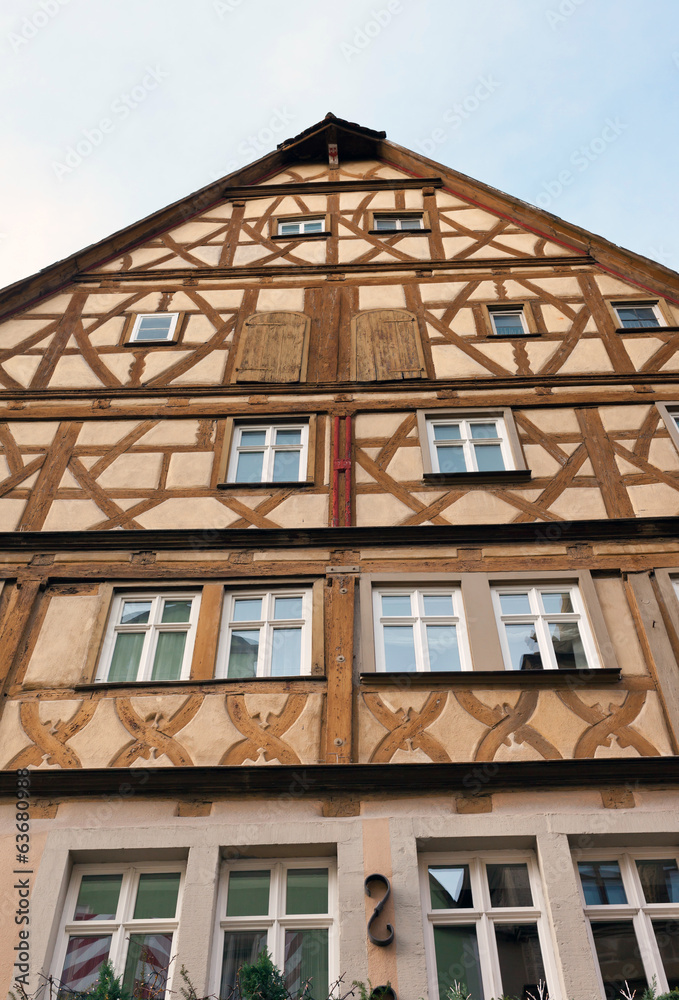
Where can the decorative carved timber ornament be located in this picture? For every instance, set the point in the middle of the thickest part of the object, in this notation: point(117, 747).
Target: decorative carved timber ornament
point(506, 722)
point(263, 741)
point(154, 735)
point(49, 742)
point(407, 729)
point(602, 726)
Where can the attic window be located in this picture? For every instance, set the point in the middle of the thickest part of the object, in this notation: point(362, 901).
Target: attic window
point(508, 322)
point(638, 315)
point(391, 223)
point(300, 227)
point(154, 327)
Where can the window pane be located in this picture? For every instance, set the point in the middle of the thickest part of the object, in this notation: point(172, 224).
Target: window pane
point(157, 322)
point(249, 469)
point(438, 604)
point(557, 603)
point(509, 885)
point(289, 436)
point(135, 613)
point(248, 894)
point(484, 430)
point(602, 882)
point(240, 948)
point(307, 890)
point(568, 646)
point(442, 644)
point(313, 227)
point(126, 656)
point(451, 459)
point(247, 609)
point(252, 439)
point(98, 897)
point(515, 604)
point(450, 888)
point(619, 958)
point(411, 223)
point(147, 965)
point(286, 466)
point(84, 958)
point(457, 960)
point(489, 458)
point(399, 647)
point(521, 967)
point(524, 652)
point(508, 323)
point(243, 654)
point(659, 880)
point(289, 228)
point(286, 656)
point(667, 936)
point(384, 223)
point(396, 605)
point(287, 607)
point(447, 432)
point(176, 611)
point(306, 959)
point(156, 895)
point(167, 663)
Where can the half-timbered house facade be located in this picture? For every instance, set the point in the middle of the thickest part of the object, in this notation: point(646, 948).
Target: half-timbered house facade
point(338, 542)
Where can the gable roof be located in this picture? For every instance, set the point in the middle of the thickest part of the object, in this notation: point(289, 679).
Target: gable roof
point(355, 142)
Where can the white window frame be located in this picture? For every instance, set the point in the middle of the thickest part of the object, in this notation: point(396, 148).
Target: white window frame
point(267, 626)
point(467, 442)
point(269, 448)
point(484, 916)
point(636, 909)
point(396, 219)
point(140, 317)
point(123, 925)
point(519, 310)
point(419, 621)
point(635, 304)
point(276, 922)
point(152, 629)
point(302, 226)
point(541, 620)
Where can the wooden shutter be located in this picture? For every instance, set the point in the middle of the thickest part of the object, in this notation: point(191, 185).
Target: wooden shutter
point(387, 346)
point(273, 348)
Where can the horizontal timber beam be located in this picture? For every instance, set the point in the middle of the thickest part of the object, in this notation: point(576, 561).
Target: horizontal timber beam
point(329, 187)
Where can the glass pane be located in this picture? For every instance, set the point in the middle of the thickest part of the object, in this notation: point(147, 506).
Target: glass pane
point(659, 880)
point(385, 223)
point(450, 888)
point(489, 458)
point(509, 885)
point(289, 436)
point(84, 957)
point(399, 647)
point(524, 653)
point(287, 607)
point(521, 967)
point(411, 223)
point(289, 228)
point(619, 958)
point(484, 430)
point(307, 890)
point(167, 663)
point(135, 613)
point(602, 882)
point(249, 468)
point(98, 897)
point(286, 466)
point(240, 948)
point(396, 605)
point(250, 439)
point(515, 604)
point(637, 316)
point(157, 322)
point(313, 227)
point(156, 895)
point(248, 894)
point(286, 655)
point(247, 609)
point(306, 960)
point(176, 611)
point(243, 654)
point(568, 646)
point(557, 604)
point(443, 650)
point(667, 936)
point(447, 432)
point(451, 459)
point(438, 604)
point(457, 960)
point(126, 656)
point(508, 323)
point(147, 965)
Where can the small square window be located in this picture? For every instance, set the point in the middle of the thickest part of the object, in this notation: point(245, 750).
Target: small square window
point(397, 222)
point(301, 227)
point(153, 328)
point(469, 444)
point(265, 634)
point(269, 453)
point(420, 629)
point(508, 322)
point(638, 315)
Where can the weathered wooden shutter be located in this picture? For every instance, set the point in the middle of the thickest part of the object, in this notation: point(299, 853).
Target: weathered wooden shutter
point(387, 346)
point(273, 348)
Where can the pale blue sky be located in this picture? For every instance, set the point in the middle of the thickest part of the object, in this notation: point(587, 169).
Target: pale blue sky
point(571, 104)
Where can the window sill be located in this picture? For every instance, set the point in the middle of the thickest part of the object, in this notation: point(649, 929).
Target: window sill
point(514, 336)
point(493, 678)
point(505, 476)
point(192, 682)
point(265, 486)
point(149, 343)
point(399, 232)
point(302, 236)
point(647, 329)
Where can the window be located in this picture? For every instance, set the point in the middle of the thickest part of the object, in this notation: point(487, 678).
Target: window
point(543, 627)
point(287, 907)
point(390, 223)
point(420, 629)
point(269, 453)
point(484, 925)
point(154, 327)
point(508, 322)
point(266, 634)
point(273, 347)
point(638, 315)
point(469, 444)
point(126, 915)
point(299, 227)
point(632, 903)
point(150, 637)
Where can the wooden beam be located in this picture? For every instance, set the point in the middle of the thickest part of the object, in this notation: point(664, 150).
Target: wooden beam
point(339, 653)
